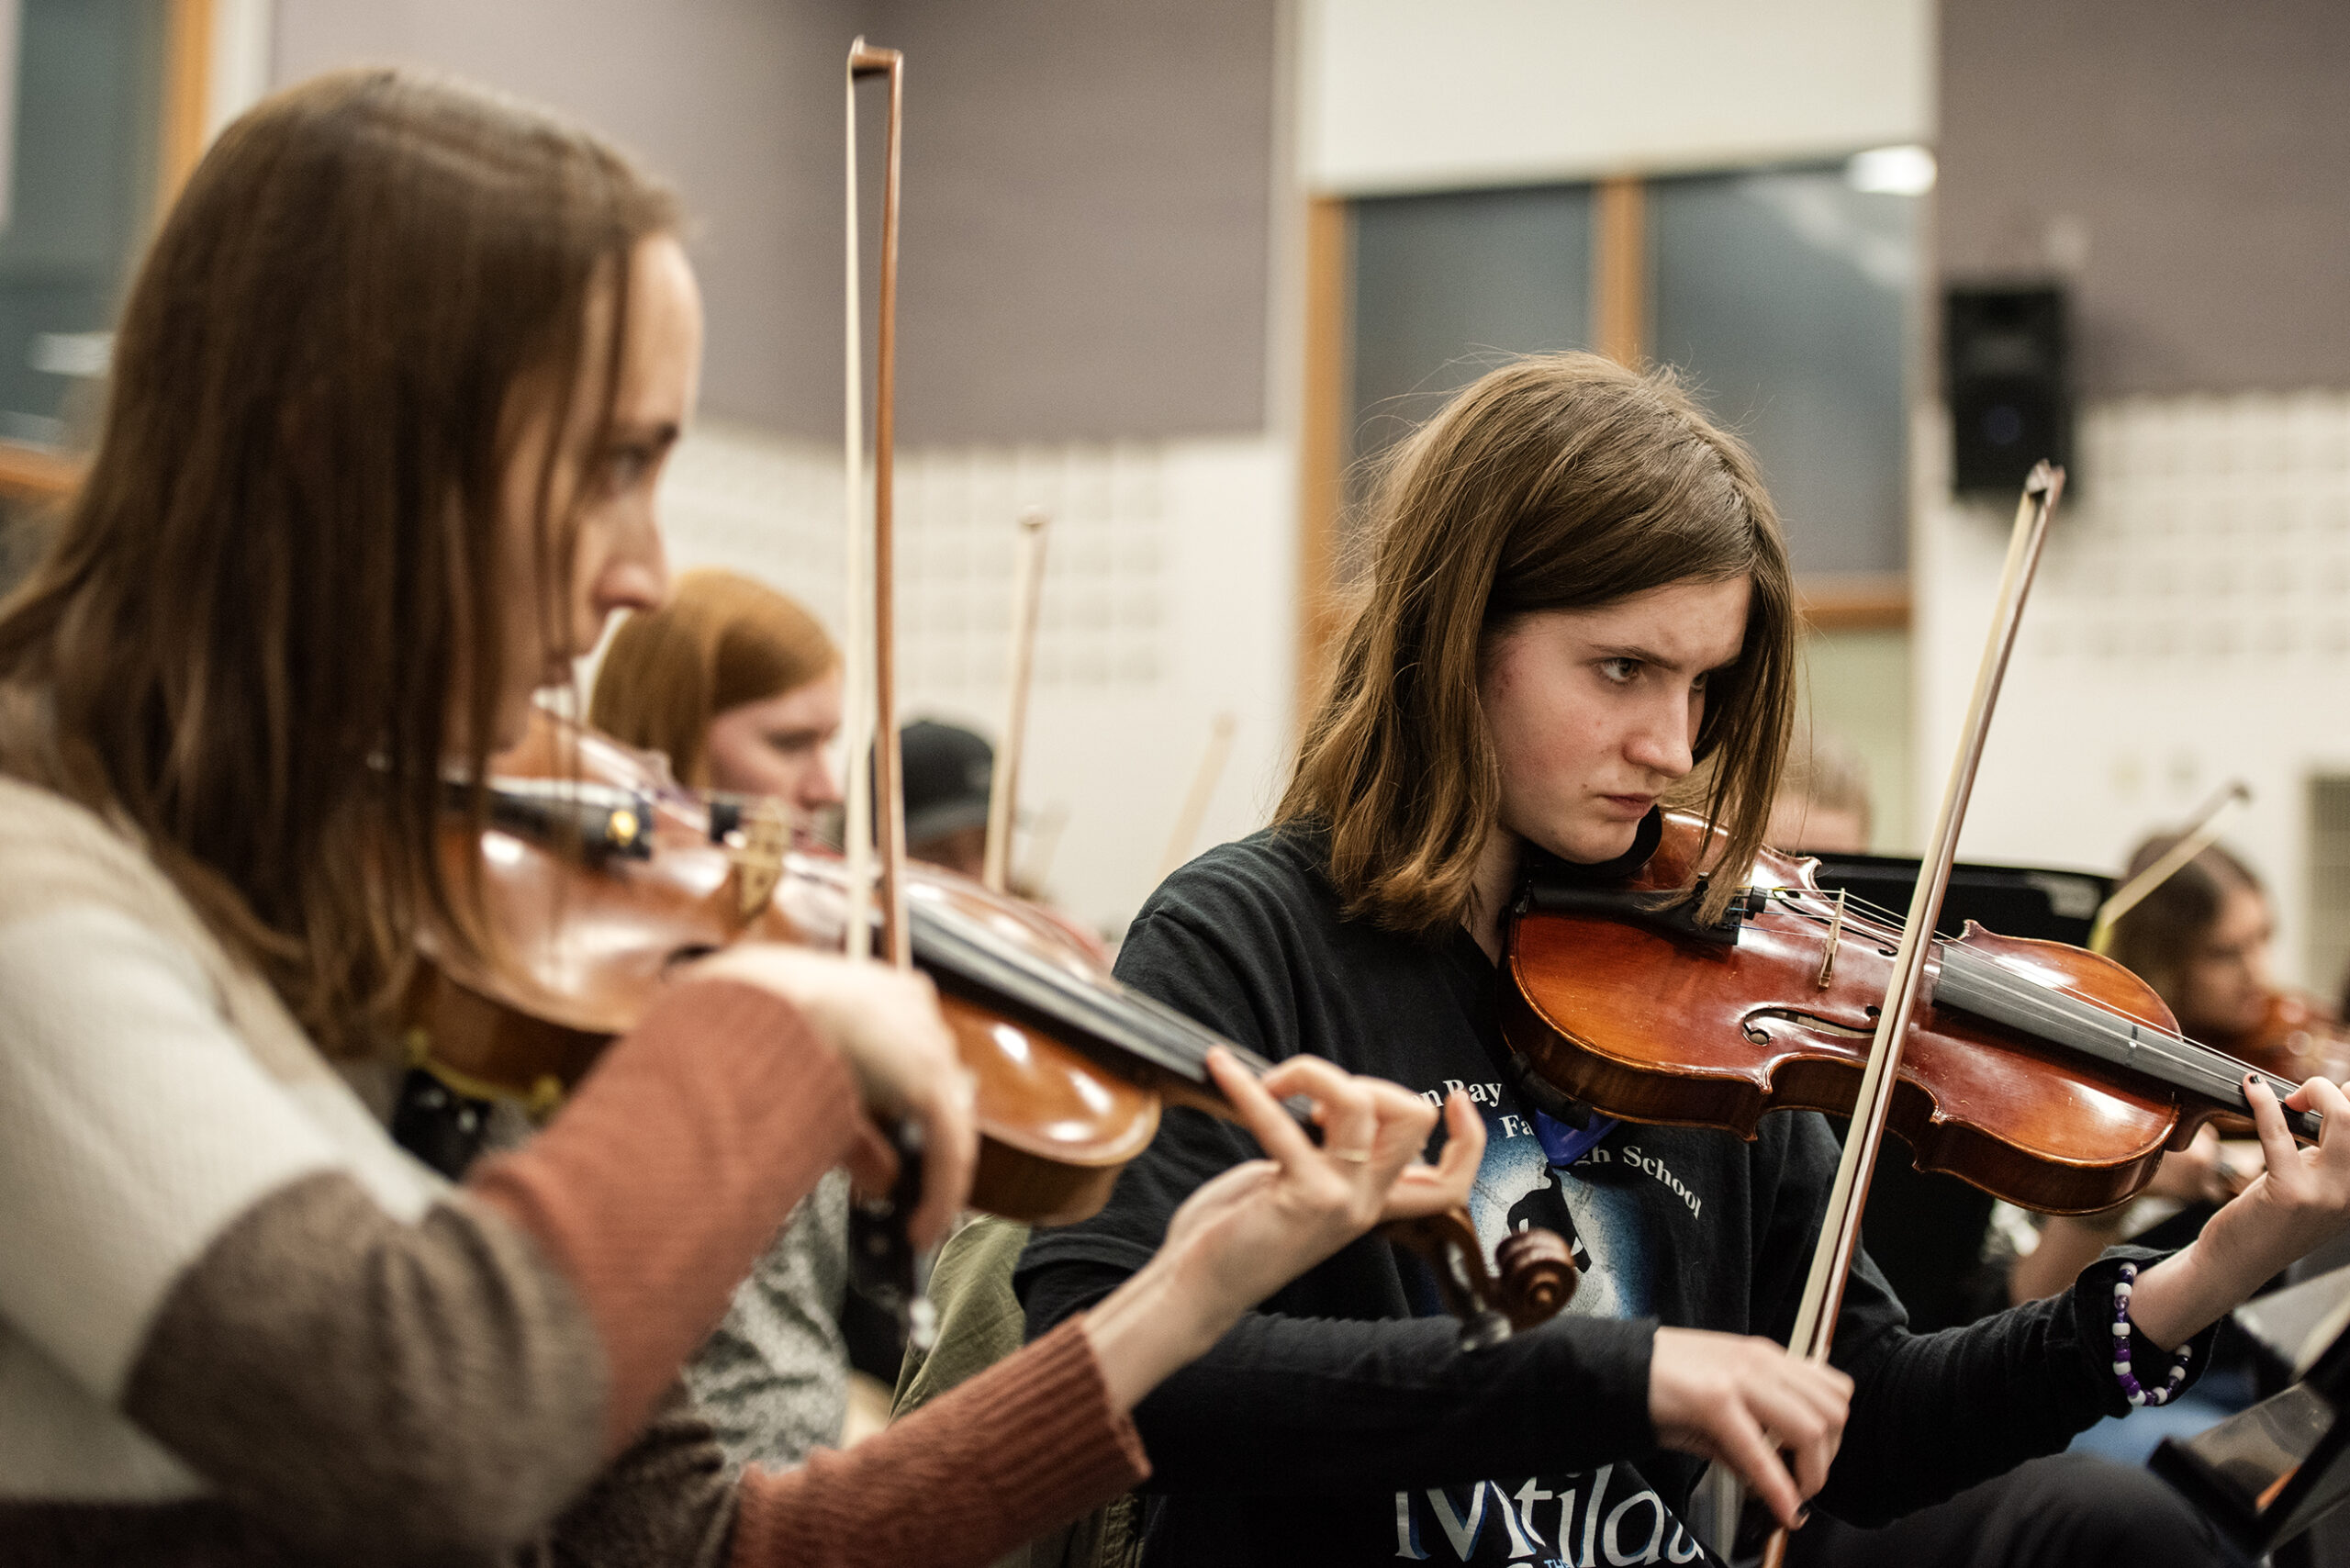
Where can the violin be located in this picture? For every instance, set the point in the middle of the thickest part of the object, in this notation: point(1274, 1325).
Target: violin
point(2046, 1075)
point(601, 880)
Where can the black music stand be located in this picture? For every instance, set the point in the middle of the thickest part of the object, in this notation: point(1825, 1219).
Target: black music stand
point(2266, 1474)
point(2054, 905)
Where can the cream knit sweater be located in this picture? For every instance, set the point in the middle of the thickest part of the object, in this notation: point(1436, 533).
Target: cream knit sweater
point(239, 1325)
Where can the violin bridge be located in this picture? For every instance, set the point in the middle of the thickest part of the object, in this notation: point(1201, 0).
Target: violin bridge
point(1835, 934)
point(757, 849)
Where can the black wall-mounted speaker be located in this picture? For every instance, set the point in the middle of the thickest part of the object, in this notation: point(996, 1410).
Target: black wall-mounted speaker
point(2003, 374)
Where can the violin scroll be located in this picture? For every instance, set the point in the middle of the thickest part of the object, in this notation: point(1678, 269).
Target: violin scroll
point(1535, 1277)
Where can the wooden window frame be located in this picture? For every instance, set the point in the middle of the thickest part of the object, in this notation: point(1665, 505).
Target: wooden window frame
point(36, 473)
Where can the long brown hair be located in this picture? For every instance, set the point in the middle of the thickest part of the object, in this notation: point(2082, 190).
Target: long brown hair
point(1557, 482)
point(2159, 934)
point(278, 591)
point(718, 641)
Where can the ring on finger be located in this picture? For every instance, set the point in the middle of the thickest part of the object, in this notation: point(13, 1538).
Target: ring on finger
point(1352, 1156)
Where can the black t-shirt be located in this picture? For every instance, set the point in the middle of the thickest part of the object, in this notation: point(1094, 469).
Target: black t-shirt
point(1342, 1423)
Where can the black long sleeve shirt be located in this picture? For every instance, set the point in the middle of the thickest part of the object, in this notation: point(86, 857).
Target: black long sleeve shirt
point(1342, 1423)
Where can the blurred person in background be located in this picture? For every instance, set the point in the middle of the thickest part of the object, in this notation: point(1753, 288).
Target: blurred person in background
point(949, 773)
point(737, 684)
point(740, 688)
point(2202, 938)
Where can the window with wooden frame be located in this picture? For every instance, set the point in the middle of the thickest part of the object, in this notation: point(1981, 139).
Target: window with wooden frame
point(1787, 299)
point(104, 115)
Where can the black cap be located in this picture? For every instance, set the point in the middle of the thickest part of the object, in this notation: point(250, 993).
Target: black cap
point(947, 772)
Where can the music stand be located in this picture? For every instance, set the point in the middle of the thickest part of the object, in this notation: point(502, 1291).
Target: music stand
point(2015, 901)
point(2266, 1474)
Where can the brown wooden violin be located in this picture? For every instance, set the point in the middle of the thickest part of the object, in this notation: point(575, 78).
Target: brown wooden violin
point(2044, 1074)
point(601, 880)
point(601, 877)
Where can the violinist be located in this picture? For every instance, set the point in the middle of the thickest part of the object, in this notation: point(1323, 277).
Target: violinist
point(737, 684)
point(1578, 593)
point(390, 394)
point(740, 688)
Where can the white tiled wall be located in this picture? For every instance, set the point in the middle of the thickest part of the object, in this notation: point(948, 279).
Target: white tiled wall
point(2191, 624)
point(1168, 600)
point(1102, 625)
point(766, 506)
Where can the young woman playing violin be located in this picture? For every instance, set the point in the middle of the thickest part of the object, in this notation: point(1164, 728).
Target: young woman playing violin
point(1578, 595)
point(390, 394)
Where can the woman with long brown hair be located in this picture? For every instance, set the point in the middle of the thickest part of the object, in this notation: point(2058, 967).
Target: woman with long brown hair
point(390, 397)
point(1578, 607)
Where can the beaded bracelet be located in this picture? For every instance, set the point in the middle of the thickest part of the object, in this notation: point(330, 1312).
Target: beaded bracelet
point(2122, 1371)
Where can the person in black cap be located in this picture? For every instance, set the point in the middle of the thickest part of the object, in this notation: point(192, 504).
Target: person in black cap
point(947, 771)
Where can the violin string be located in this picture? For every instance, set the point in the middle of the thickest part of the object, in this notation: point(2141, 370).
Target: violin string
point(1884, 925)
point(2161, 1044)
point(1192, 1039)
point(2009, 982)
point(2165, 1044)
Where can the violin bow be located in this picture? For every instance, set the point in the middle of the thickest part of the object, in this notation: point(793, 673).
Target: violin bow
point(1840, 1236)
point(881, 1255)
point(2201, 829)
point(1003, 789)
point(883, 794)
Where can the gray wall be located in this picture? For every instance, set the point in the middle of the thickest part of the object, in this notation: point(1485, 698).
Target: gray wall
point(1087, 203)
point(734, 100)
point(2188, 163)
